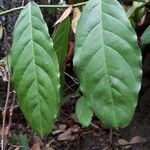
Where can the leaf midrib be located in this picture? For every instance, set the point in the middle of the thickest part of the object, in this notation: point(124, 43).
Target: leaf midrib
point(33, 53)
point(105, 60)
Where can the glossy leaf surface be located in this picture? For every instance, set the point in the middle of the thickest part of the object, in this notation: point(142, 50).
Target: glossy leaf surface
point(35, 70)
point(107, 62)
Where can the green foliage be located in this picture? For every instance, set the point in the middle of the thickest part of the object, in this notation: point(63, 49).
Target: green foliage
point(20, 139)
point(60, 39)
point(23, 141)
point(35, 70)
point(107, 62)
point(136, 12)
point(84, 114)
point(145, 38)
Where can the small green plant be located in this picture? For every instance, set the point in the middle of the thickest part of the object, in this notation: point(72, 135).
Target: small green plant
point(107, 63)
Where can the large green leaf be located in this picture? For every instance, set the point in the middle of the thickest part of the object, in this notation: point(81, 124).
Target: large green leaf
point(35, 70)
point(60, 39)
point(145, 38)
point(107, 62)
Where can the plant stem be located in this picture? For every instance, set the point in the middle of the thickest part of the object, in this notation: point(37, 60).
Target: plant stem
point(42, 6)
point(11, 111)
point(4, 114)
point(111, 136)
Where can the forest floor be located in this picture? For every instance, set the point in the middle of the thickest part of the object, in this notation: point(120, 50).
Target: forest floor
point(68, 134)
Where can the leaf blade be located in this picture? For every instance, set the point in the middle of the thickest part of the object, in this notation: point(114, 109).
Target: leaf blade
point(60, 39)
point(83, 112)
point(145, 36)
point(98, 62)
point(36, 80)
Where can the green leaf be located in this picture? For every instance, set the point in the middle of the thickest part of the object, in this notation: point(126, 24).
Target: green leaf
point(145, 38)
point(84, 114)
point(23, 141)
point(35, 70)
point(60, 39)
point(107, 62)
point(20, 139)
point(136, 12)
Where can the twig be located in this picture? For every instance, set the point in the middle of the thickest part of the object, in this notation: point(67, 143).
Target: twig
point(94, 126)
point(11, 112)
point(73, 79)
point(23, 2)
point(15, 107)
point(17, 146)
point(111, 136)
point(42, 6)
point(130, 144)
point(4, 113)
point(69, 87)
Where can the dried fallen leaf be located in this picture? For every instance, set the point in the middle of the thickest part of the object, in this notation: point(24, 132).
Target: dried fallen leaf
point(48, 146)
point(69, 134)
point(38, 140)
point(123, 142)
point(126, 8)
point(36, 146)
point(74, 117)
point(65, 136)
point(65, 14)
point(3, 74)
point(76, 16)
point(1, 31)
point(107, 148)
point(58, 131)
point(75, 128)
point(142, 20)
point(5, 132)
point(137, 139)
point(61, 128)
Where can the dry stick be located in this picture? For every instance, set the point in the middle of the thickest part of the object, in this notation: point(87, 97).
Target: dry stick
point(15, 107)
point(94, 126)
point(111, 136)
point(23, 2)
point(130, 144)
point(69, 87)
point(17, 146)
point(11, 112)
point(4, 112)
point(73, 79)
point(10, 116)
point(43, 6)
